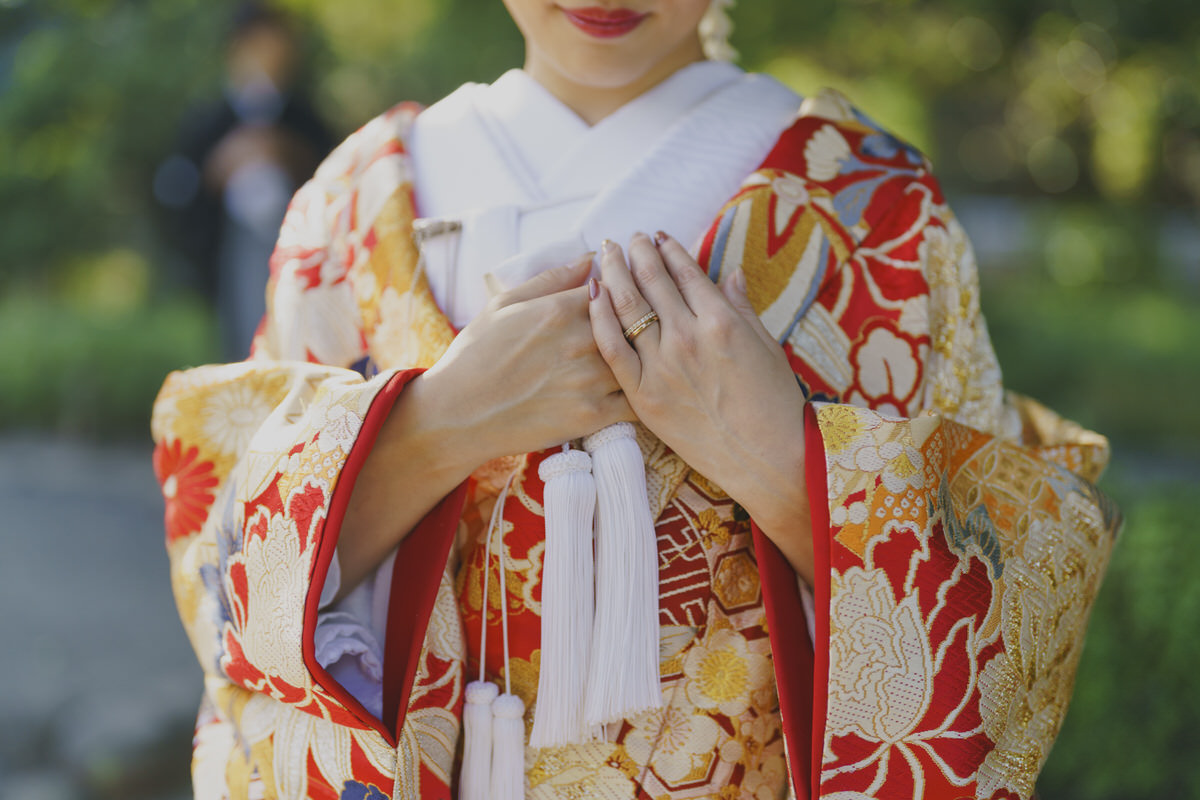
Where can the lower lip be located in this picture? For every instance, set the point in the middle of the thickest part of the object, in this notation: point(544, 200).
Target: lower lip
point(605, 28)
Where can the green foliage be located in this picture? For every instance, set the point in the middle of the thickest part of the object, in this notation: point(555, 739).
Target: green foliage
point(1104, 356)
point(1086, 97)
point(89, 372)
point(89, 102)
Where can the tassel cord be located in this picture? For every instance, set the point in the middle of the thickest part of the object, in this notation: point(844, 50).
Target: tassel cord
point(508, 717)
point(478, 721)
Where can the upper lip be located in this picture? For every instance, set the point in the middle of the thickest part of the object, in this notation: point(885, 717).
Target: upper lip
point(601, 16)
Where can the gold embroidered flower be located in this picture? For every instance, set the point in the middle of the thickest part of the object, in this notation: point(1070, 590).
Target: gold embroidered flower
point(676, 742)
point(232, 415)
point(577, 771)
point(768, 779)
point(840, 426)
point(723, 674)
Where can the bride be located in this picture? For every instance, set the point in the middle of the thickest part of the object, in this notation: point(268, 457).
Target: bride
point(625, 427)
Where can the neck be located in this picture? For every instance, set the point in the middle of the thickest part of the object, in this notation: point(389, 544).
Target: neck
point(593, 103)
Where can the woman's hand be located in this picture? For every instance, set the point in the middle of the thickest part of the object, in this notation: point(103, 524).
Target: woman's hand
point(524, 375)
point(709, 381)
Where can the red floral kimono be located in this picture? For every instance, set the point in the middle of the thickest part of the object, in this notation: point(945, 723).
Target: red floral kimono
point(958, 536)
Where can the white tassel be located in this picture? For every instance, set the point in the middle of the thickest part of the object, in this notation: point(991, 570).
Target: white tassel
point(508, 718)
point(623, 673)
point(475, 777)
point(508, 748)
point(567, 603)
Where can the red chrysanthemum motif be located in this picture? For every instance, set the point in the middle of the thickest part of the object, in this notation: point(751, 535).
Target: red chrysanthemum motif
point(187, 486)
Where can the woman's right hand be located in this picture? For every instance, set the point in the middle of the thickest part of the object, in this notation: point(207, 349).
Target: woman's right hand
point(523, 376)
point(526, 374)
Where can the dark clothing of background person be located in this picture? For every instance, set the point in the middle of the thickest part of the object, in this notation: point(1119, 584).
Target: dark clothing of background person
point(237, 163)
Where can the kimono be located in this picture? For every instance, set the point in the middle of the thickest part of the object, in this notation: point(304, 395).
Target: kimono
point(959, 538)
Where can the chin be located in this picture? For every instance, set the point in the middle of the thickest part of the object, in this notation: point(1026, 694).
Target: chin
point(604, 72)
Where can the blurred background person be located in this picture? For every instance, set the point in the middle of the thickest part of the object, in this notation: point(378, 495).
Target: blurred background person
point(238, 162)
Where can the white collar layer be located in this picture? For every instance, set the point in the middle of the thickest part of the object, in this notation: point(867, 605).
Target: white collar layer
point(533, 186)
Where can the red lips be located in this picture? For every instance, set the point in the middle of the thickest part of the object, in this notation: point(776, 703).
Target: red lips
point(604, 23)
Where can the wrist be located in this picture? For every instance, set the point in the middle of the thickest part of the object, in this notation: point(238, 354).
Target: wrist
point(424, 428)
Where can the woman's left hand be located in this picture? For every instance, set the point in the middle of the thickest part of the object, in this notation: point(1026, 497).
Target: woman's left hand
point(709, 381)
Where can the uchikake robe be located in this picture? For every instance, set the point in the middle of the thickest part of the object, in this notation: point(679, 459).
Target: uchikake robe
point(959, 538)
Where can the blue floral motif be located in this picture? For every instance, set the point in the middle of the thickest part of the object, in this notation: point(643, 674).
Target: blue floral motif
point(819, 397)
point(885, 146)
point(353, 790)
point(366, 367)
point(977, 529)
point(229, 542)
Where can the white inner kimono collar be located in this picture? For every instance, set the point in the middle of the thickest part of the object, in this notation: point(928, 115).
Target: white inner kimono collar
point(533, 186)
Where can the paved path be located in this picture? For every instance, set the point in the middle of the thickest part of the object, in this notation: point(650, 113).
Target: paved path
point(98, 686)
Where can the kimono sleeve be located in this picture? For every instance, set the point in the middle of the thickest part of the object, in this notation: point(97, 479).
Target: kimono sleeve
point(959, 539)
point(257, 460)
point(256, 463)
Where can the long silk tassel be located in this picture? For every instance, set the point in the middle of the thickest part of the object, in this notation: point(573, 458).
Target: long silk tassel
point(475, 775)
point(508, 748)
point(623, 673)
point(508, 717)
point(567, 601)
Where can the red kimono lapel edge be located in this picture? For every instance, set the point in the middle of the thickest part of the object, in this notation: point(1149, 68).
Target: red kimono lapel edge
point(801, 671)
point(414, 584)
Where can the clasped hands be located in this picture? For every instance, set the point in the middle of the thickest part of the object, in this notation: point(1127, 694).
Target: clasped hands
point(553, 364)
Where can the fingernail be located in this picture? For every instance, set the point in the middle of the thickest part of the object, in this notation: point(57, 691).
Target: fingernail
point(606, 246)
point(593, 288)
point(494, 285)
point(660, 237)
point(739, 280)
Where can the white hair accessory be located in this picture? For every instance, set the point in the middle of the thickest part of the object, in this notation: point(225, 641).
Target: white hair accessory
point(715, 30)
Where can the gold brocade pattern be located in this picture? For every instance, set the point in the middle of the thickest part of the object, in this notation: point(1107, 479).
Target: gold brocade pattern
point(965, 543)
point(992, 511)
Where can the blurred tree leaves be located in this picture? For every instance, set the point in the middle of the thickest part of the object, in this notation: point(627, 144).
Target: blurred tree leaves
point(1090, 98)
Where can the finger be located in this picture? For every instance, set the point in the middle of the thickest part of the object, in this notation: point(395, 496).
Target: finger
point(558, 279)
point(626, 300)
point(619, 354)
point(701, 296)
point(655, 282)
point(734, 289)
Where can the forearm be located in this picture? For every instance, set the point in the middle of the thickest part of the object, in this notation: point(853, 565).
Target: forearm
point(420, 456)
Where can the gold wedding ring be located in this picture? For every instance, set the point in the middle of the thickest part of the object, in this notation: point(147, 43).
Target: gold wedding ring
point(645, 322)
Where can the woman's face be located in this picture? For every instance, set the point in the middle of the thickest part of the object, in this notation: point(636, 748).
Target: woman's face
point(608, 44)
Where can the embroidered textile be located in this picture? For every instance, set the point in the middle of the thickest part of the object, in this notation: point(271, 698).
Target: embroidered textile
point(959, 549)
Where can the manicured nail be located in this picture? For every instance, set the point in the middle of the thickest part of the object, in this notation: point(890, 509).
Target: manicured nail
point(607, 246)
point(593, 288)
point(659, 238)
